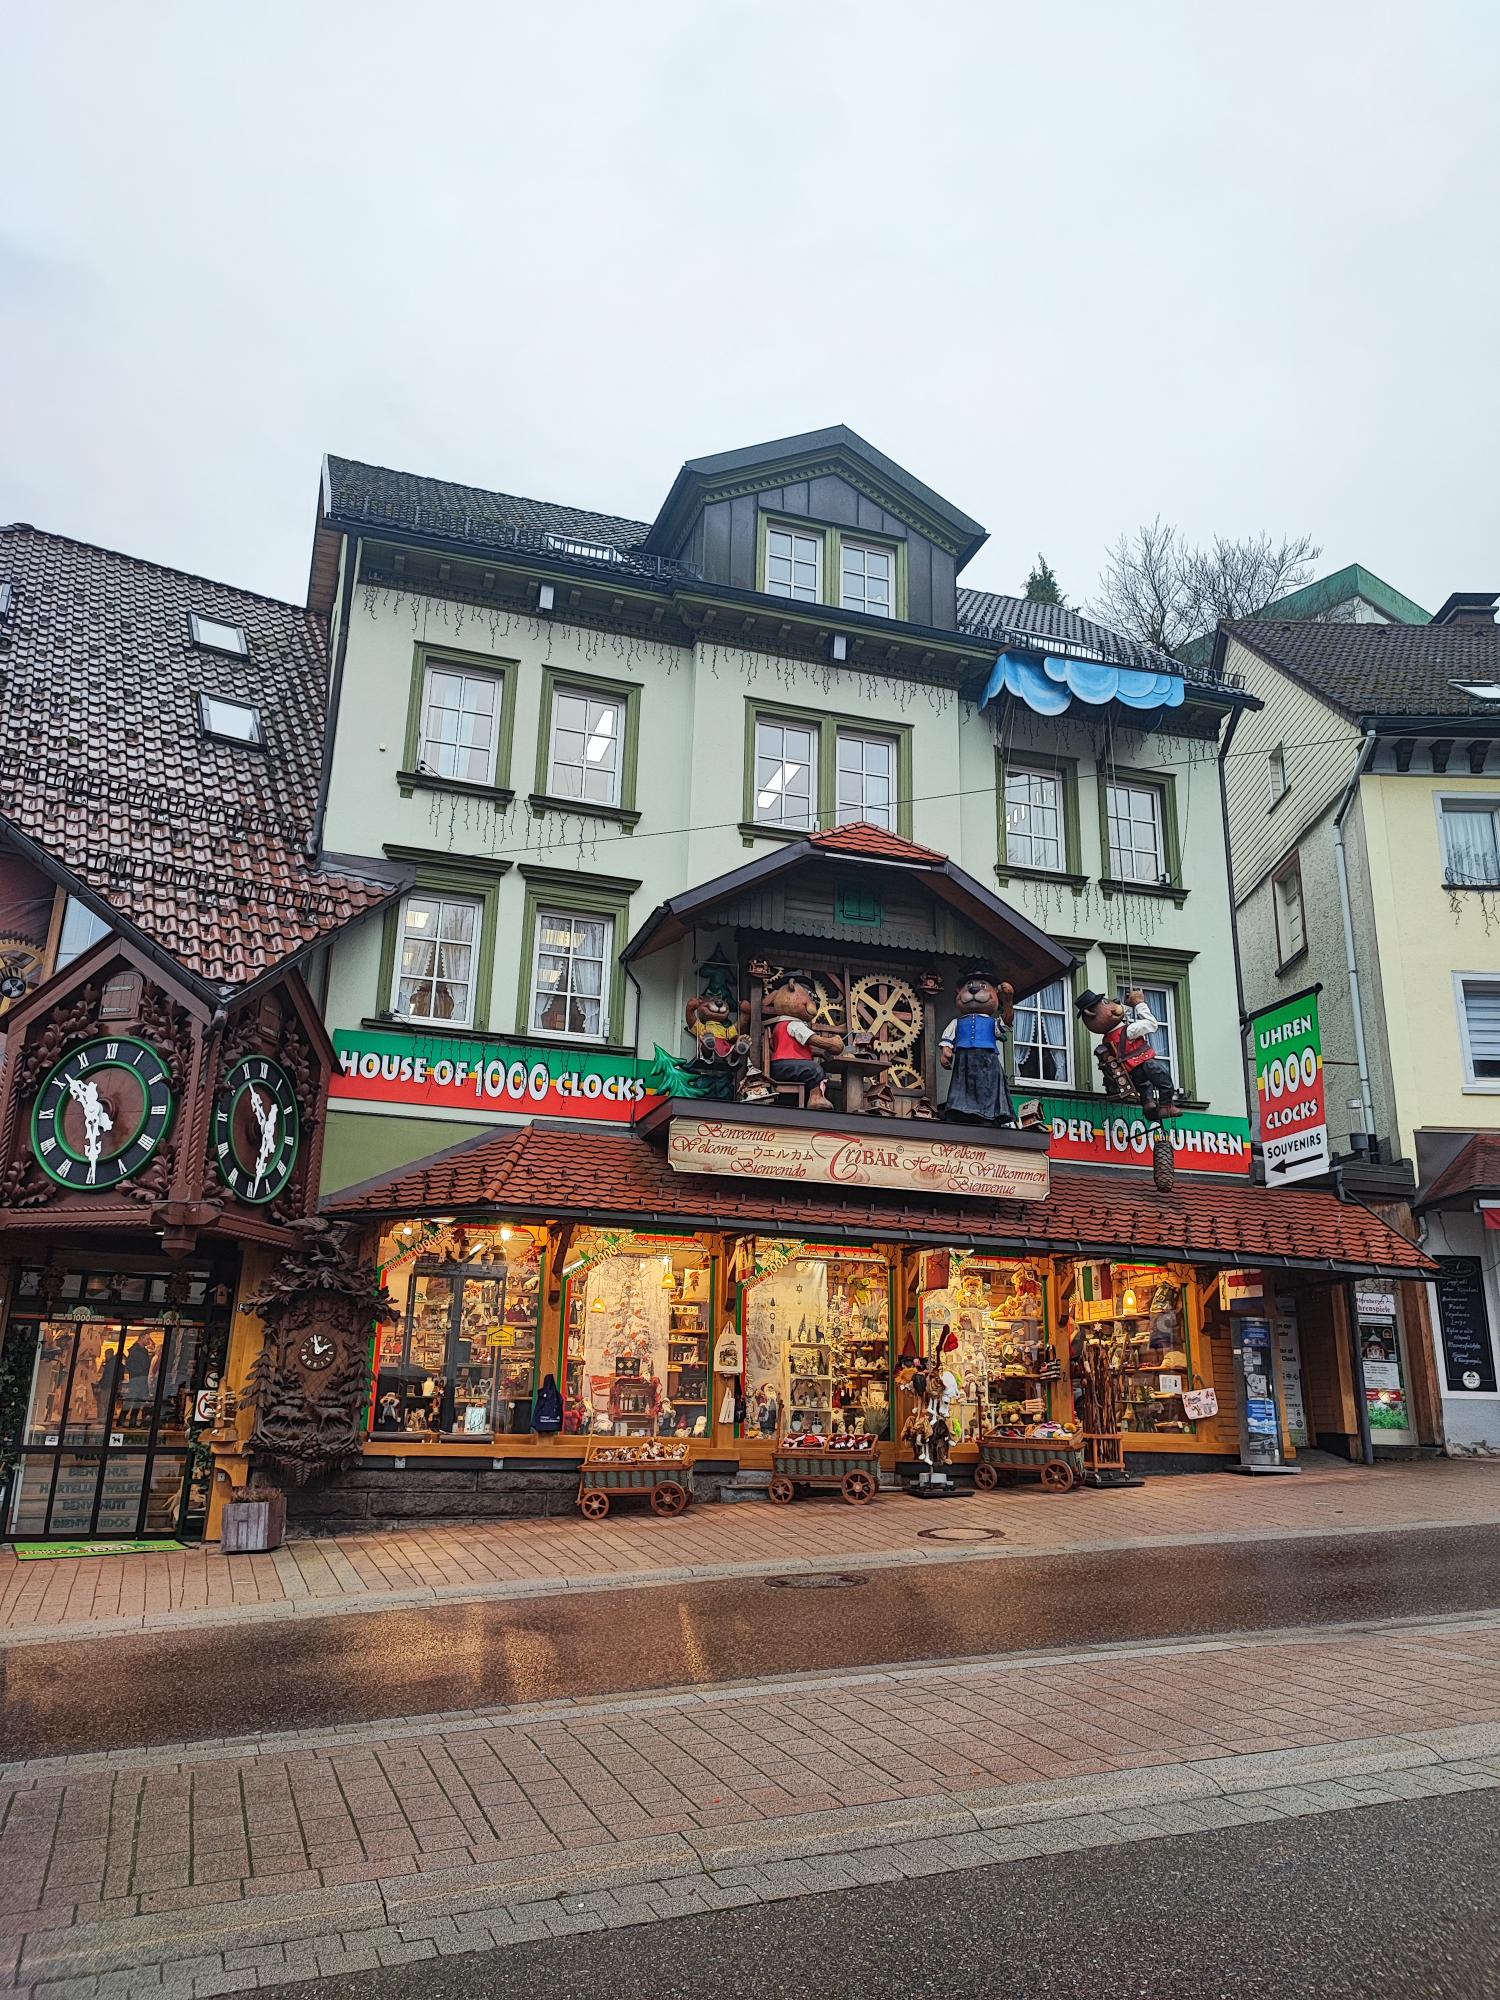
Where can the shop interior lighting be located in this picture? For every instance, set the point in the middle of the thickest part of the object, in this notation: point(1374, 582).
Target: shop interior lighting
point(602, 740)
point(506, 1232)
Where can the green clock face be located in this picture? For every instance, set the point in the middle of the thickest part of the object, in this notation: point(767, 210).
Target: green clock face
point(257, 1129)
point(101, 1113)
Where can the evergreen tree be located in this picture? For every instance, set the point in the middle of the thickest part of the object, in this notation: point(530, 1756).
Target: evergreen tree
point(1041, 584)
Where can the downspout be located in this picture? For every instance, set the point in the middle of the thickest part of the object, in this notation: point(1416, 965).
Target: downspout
point(1351, 961)
point(335, 693)
point(1247, 1059)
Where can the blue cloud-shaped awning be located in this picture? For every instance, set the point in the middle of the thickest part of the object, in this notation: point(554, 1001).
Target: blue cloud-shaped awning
point(1047, 683)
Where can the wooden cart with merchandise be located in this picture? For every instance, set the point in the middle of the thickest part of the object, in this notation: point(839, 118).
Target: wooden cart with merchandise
point(1057, 1462)
point(821, 1465)
point(617, 1468)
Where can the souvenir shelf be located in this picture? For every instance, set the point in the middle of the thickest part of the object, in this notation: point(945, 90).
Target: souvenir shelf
point(464, 1363)
point(859, 1323)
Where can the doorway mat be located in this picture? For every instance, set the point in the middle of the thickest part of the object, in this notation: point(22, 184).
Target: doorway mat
point(44, 1551)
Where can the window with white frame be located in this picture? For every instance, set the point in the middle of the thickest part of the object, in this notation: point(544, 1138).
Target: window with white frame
point(569, 974)
point(1291, 917)
point(436, 958)
point(1034, 820)
point(866, 778)
point(1162, 1000)
point(1276, 773)
point(1471, 842)
point(794, 564)
point(1042, 1035)
point(587, 742)
point(785, 772)
point(1479, 1022)
point(460, 724)
point(868, 579)
point(1137, 851)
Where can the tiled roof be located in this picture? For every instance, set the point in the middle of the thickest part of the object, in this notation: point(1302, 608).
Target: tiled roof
point(374, 496)
point(860, 839)
point(986, 614)
point(1473, 1171)
point(1382, 670)
point(540, 1169)
point(199, 844)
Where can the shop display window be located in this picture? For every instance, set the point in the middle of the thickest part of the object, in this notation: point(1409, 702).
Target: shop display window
point(818, 1346)
point(461, 1362)
point(1000, 1351)
point(1140, 1314)
point(638, 1317)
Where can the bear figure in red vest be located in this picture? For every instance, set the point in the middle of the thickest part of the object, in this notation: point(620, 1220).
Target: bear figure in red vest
point(1126, 1055)
point(789, 1012)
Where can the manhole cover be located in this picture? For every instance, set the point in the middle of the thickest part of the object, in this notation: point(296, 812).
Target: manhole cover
point(817, 1580)
point(961, 1534)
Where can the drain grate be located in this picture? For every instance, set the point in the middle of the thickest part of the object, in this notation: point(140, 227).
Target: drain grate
point(817, 1580)
point(961, 1534)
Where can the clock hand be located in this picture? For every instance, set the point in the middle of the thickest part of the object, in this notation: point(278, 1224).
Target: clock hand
point(96, 1119)
point(266, 1120)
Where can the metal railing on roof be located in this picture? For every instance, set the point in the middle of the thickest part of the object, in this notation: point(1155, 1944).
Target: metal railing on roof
point(490, 537)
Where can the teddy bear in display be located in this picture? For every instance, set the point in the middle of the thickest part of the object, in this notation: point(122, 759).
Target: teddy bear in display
point(720, 1031)
point(789, 1011)
point(978, 1093)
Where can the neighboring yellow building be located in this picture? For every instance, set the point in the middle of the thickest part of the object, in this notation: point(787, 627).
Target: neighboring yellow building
point(1364, 825)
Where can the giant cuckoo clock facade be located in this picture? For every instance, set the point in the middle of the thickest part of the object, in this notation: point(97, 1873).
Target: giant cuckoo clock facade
point(130, 1103)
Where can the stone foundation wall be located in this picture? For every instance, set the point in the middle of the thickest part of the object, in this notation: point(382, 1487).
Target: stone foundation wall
point(378, 1494)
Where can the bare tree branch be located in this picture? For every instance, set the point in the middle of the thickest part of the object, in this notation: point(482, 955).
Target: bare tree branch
point(1157, 588)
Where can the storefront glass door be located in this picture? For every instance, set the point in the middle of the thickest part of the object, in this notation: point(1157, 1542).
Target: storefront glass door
point(104, 1446)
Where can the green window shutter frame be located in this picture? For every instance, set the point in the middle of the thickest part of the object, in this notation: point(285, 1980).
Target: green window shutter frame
point(626, 692)
point(826, 729)
point(585, 896)
point(425, 655)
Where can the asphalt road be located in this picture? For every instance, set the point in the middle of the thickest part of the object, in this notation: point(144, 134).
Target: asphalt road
point(1344, 1905)
point(314, 1672)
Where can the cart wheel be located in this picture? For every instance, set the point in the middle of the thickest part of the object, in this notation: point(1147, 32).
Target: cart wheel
point(859, 1487)
point(986, 1478)
point(781, 1490)
point(594, 1504)
point(1058, 1476)
point(668, 1498)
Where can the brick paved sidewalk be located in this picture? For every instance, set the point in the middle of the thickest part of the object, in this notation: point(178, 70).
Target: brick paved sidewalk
point(98, 1596)
point(232, 1864)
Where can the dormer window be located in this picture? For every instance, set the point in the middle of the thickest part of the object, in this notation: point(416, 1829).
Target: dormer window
point(218, 635)
point(826, 566)
point(229, 720)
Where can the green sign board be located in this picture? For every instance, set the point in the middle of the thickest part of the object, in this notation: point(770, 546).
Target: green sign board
point(1289, 1091)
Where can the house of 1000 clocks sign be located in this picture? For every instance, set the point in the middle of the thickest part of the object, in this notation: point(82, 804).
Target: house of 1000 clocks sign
point(841, 1158)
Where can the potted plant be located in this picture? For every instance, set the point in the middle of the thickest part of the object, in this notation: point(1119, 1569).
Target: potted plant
point(254, 1520)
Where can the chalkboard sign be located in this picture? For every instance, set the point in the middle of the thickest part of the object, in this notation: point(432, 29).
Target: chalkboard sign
point(1468, 1351)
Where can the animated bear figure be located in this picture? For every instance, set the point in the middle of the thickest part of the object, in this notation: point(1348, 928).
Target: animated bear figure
point(970, 1048)
point(789, 1011)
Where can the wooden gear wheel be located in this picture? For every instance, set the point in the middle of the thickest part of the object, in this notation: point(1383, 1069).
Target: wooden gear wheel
point(832, 1011)
point(888, 1010)
point(593, 1504)
point(668, 1497)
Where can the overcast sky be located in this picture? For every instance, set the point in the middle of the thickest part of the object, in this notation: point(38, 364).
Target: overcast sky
point(1073, 265)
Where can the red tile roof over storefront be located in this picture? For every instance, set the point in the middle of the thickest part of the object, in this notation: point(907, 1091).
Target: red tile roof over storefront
point(1472, 1172)
point(546, 1169)
point(861, 840)
point(200, 844)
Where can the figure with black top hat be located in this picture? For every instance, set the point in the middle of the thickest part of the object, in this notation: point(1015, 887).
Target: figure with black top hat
point(790, 1012)
point(1126, 1055)
point(970, 1049)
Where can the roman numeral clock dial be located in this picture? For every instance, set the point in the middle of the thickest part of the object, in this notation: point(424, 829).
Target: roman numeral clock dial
point(256, 1129)
point(101, 1113)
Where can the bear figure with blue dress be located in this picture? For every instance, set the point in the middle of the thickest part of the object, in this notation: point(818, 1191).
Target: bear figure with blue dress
point(971, 1050)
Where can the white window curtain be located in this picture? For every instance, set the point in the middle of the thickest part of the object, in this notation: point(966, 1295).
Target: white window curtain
point(1471, 846)
point(1042, 1033)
